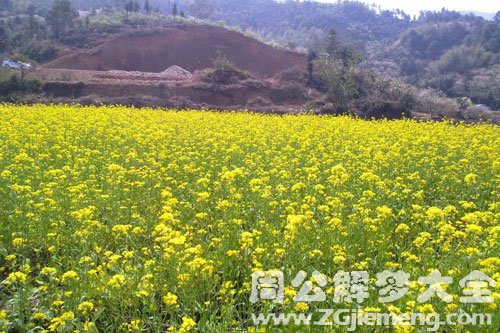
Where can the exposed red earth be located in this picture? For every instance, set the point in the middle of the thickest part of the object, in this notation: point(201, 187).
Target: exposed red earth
point(169, 67)
point(192, 47)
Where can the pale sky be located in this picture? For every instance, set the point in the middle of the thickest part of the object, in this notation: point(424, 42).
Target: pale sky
point(415, 6)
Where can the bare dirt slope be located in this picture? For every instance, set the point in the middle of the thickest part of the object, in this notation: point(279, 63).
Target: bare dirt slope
point(171, 66)
point(192, 47)
point(177, 88)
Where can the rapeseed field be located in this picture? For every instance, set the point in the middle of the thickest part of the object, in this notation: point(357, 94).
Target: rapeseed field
point(116, 219)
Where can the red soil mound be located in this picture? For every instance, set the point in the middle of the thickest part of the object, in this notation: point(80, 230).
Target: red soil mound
point(192, 47)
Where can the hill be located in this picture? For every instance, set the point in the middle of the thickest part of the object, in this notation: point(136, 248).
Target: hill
point(192, 47)
point(486, 16)
point(361, 59)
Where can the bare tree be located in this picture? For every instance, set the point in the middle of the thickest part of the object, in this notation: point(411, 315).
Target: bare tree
point(174, 10)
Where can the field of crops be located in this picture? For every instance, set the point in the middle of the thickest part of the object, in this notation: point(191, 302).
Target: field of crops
point(125, 220)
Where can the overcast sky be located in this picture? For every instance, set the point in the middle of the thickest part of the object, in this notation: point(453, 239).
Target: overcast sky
point(415, 6)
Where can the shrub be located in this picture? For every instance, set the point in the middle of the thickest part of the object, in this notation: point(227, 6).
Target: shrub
point(12, 83)
point(40, 51)
point(463, 58)
point(224, 76)
point(288, 93)
point(222, 62)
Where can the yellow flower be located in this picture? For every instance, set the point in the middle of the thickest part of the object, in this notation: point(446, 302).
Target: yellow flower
point(187, 325)
point(70, 276)
point(298, 187)
point(57, 304)
point(18, 241)
point(232, 175)
point(473, 229)
point(315, 254)
point(434, 213)
point(88, 325)
point(339, 259)
point(232, 253)
point(402, 228)
point(470, 179)
point(404, 328)
point(338, 175)
point(121, 229)
point(135, 325)
point(393, 309)
point(62, 320)
point(422, 239)
point(39, 316)
point(16, 277)
point(246, 240)
point(301, 307)
point(170, 299)
point(86, 307)
point(369, 309)
point(116, 281)
point(426, 308)
point(384, 211)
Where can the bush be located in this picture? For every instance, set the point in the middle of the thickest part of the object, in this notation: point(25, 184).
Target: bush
point(23, 58)
point(287, 93)
point(31, 85)
point(436, 104)
point(463, 58)
point(384, 98)
point(9, 84)
point(224, 76)
point(222, 62)
point(40, 51)
point(64, 89)
point(224, 71)
point(12, 83)
point(429, 41)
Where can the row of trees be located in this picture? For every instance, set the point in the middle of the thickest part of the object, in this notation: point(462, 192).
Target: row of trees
point(61, 17)
point(456, 54)
point(35, 30)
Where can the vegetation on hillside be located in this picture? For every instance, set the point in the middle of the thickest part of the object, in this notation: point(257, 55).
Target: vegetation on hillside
point(447, 51)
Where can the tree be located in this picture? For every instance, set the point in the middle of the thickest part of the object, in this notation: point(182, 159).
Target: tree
point(136, 6)
point(31, 10)
point(311, 56)
point(4, 39)
point(201, 9)
point(129, 6)
point(147, 7)
point(489, 36)
point(61, 17)
point(331, 43)
point(462, 59)
point(6, 5)
point(23, 70)
point(497, 17)
point(350, 57)
point(332, 81)
point(335, 72)
point(174, 10)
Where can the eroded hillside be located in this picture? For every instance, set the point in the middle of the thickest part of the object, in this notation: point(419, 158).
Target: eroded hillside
point(192, 47)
